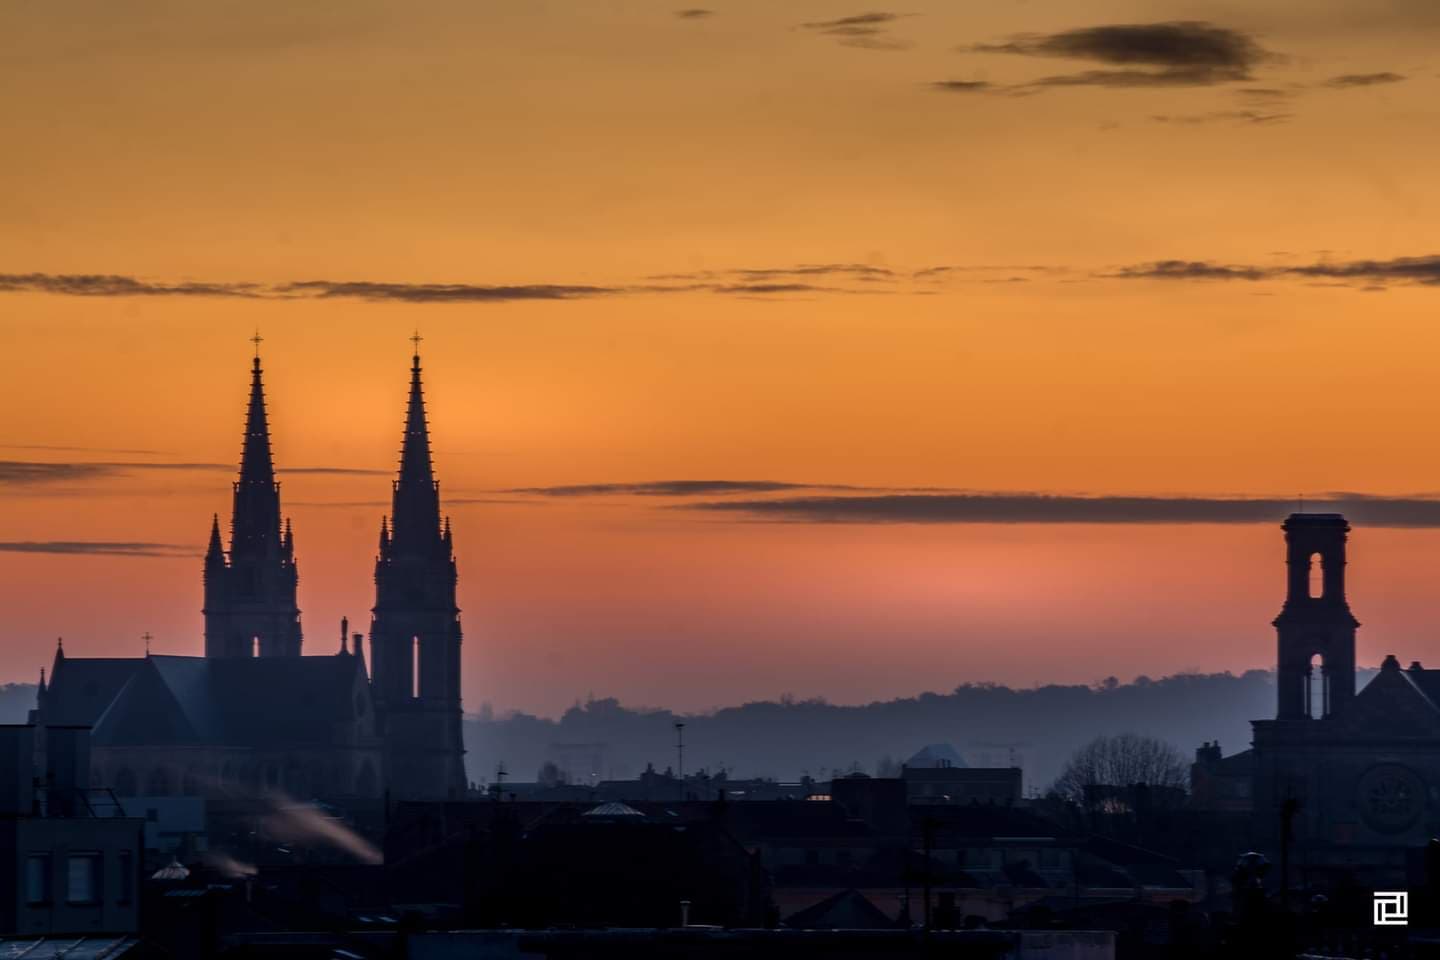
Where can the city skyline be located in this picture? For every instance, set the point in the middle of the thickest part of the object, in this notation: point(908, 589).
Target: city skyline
point(759, 343)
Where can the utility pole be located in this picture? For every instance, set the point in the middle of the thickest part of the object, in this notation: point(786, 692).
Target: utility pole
point(680, 754)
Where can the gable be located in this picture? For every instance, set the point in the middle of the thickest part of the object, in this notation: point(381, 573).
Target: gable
point(1391, 705)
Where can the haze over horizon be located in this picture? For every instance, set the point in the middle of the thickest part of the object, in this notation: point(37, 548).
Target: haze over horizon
point(824, 351)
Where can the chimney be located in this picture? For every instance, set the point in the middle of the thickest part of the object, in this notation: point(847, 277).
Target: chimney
point(17, 770)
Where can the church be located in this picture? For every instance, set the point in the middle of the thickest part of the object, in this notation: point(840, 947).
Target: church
point(1353, 777)
point(254, 716)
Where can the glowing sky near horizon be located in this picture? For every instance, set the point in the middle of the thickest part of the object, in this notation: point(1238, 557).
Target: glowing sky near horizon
point(996, 248)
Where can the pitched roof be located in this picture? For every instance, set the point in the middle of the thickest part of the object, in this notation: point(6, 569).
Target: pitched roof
point(251, 702)
point(846, 910)
point(81, 688)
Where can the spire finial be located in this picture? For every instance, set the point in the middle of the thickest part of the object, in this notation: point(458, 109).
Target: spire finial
point(415, 339)
point(147, 638)
point(257, 340)
point(60, 646)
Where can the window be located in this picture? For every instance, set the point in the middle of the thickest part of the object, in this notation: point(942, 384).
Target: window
point(1317, 576)
point(254, 646)
point(37, 878)
point(415, 667)
point(82, 878)
point(127, 877)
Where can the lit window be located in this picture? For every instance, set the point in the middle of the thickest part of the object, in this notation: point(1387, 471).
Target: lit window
point(82, 878)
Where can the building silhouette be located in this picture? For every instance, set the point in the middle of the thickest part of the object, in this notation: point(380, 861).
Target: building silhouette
point(250, 608)
point(253, 715)
point(1340, 784)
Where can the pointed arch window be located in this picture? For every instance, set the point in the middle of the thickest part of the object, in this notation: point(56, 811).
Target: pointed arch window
point(415, 667)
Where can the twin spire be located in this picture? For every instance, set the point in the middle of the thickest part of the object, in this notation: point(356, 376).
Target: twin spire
point(255, 526)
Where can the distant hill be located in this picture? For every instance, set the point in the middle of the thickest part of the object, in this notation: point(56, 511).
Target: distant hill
point(985, 722)
point(16, 701)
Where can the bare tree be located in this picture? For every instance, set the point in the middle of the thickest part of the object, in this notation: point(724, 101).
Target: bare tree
point(1111, 763)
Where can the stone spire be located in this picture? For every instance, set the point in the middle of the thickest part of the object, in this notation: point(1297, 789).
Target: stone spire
point(250, 590)
point(255, 521)
point(416, 500)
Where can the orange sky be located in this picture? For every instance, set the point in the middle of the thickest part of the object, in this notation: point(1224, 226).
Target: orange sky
point(595, 177)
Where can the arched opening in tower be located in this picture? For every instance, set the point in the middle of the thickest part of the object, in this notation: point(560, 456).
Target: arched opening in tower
point(1317, 576)
point(1317, 688)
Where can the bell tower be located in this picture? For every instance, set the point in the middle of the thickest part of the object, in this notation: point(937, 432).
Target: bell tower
point(1316, 621)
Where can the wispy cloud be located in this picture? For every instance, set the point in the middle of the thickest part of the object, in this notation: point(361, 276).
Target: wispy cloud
point(36, 472)
point(1182, 53)
point(738, 282)
point(1348, 80)
point(694, 13)
point(673, 488)
point(1223, 116)
point(64, 448)
point(1014, 508)
point(869, 31)
point(1422, 270)
point(107, 548)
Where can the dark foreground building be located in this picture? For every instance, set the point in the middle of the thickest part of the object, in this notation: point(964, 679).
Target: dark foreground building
point(1342, 787)
point(252, 715)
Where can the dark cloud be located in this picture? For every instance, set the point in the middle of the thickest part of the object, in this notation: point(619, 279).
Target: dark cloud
point(109, 548)
point(1044, 508)
point(1265, 93)
point(20, 472)
point(1346, 80)
point(1367, 274)
point(965, 86)
point(1183, 53)
point(1189, 270)
point(694, 13)
point(869, 31)
point(428, 293)
point(110, 285)
point(441, 292)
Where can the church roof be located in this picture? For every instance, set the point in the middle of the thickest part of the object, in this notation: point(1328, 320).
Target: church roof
point(248, 701)
point(82, 688)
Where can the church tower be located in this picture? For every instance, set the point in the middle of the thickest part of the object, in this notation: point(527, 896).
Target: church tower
point(250, 608)
point(1316, 621)
point(415, 631)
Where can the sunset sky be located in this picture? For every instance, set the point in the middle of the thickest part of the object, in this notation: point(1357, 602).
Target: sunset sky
point(881, 275)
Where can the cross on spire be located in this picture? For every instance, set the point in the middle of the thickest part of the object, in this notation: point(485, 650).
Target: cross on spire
point(147, 638)
point(257, 340)
point(415, 338)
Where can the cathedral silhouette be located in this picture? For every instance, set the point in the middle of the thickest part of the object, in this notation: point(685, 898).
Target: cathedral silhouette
point(253, 715)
